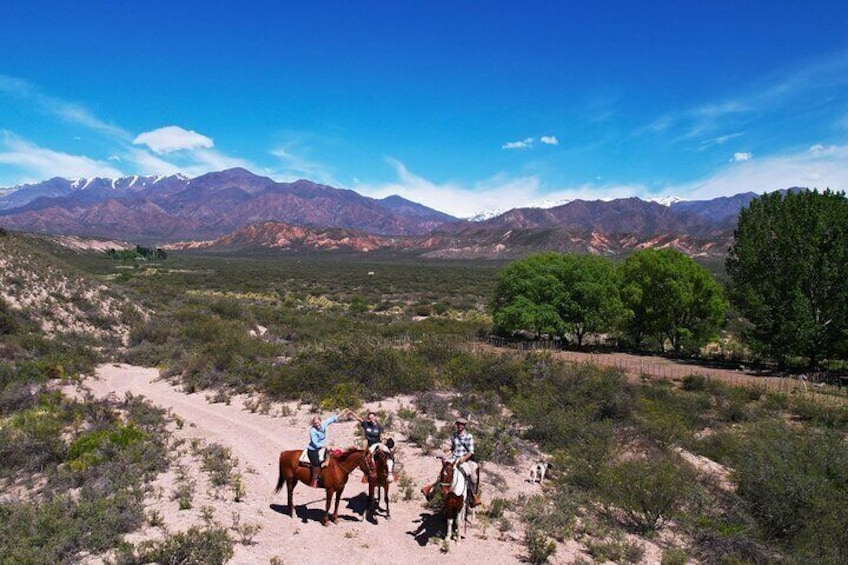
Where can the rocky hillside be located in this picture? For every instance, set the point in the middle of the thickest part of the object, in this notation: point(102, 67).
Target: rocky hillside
point(63, 301)
point(482, 243)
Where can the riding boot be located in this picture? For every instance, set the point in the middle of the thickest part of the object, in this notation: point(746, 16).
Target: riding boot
point(426, 491)
point(473, 491)
point(314, 482)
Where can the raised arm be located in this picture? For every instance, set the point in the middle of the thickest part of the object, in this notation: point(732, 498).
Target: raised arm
point(352, 414)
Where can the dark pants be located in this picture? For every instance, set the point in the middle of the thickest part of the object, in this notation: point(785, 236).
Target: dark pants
point(314, 458)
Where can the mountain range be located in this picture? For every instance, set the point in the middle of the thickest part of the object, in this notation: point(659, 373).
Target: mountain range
point(236, 209)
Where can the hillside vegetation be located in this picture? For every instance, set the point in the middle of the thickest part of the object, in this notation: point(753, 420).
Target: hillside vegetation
point(708, 472)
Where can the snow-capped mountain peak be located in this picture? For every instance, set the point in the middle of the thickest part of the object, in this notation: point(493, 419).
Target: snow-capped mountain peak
point(541, 204)
point(667, 200)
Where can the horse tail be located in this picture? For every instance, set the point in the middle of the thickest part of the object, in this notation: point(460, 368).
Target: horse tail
point(280, 479)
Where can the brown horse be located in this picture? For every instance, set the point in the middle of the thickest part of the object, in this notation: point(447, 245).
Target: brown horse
point(334, 475)
point(382, 459)
point(454, 489)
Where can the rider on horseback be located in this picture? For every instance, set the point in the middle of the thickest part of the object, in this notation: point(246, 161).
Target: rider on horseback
point(373, 432)
point(317, 439)
point(462, 453)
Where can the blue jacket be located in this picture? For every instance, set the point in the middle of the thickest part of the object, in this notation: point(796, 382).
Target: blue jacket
point(317, 436)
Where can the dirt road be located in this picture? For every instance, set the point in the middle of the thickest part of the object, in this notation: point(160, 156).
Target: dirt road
point(256, 440)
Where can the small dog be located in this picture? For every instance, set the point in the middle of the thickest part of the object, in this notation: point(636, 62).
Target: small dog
point(538, 472)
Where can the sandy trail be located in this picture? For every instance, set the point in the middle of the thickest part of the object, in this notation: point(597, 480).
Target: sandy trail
point(256, 440)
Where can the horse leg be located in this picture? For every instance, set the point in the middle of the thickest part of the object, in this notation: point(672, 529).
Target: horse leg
point(336, 509)
point(326, 519)
point(369, 506)
point(386, 499)
point(290, 484)
point(460, 521)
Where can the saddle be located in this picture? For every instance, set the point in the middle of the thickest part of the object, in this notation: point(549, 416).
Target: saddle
point(323, 455)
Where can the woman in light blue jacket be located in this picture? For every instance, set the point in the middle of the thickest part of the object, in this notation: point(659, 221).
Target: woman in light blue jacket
point(317, 441)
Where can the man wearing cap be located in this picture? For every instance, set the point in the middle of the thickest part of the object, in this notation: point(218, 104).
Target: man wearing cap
point(462, 450)
point(462, 453)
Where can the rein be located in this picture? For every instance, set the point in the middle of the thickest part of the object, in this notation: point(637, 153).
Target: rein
point(349, 471)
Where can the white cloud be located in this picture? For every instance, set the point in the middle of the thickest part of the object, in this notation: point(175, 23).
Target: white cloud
point(549, 140)
point(523, 144)
point(192, 163)
point(296, 166)
point(452, 197)
point(68, 111)
point(499, 192)
point(739, 157)
point(146, 163)
point(818, 167)
point(721, 140)
point(819, 150)
point(173, 138)
point(41, 163)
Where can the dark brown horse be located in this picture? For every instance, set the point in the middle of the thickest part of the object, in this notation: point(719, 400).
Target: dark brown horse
point(453, 486)
point(334, 475)
point(383, 459)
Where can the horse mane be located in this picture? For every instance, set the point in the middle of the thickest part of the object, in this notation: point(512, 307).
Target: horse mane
point(347, 453)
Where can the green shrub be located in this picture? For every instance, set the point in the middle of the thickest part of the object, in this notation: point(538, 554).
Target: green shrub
point(419, 431)
point(617, 549)
point(674, 556)
point(819, 414)
point(497, 443)
point(539, 547)
point(719, 446)
point(219, 463)
point(694, 383)
point(554, 517)
point(434, 404)
point(94, 447)
point(497, 506)
point(785, 476)
point(645, 494)
point(358, 305)
point(208, 546)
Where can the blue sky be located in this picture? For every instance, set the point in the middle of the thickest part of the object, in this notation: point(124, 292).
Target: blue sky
point(462, 106)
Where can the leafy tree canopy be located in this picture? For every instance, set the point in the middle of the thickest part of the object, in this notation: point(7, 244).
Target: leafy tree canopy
point(671, 298)
point(557, 294)
point(789, 266)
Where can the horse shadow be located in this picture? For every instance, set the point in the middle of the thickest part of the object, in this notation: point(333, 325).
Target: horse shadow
point(369, 514)
point(429, 526)
point(316, 513)
point(357, 504)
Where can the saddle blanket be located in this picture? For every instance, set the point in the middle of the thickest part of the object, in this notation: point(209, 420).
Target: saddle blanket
point(303, 460)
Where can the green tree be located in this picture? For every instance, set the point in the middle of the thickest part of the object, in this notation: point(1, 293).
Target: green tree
point(590, 301)
point(526, 294)
point(788, 267)
point(558, 294)
point(671, 298)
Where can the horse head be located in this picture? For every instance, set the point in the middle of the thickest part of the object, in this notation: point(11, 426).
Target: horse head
point(384, 460)
point(446, 476)
point(366, 465)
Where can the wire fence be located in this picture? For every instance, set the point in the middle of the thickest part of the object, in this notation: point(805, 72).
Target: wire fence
point(654, 367)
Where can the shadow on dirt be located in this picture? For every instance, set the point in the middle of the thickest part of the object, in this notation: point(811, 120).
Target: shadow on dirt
point(429, 526)
point(315, 513)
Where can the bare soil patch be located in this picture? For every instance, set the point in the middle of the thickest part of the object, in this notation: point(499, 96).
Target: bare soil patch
point(413, 535)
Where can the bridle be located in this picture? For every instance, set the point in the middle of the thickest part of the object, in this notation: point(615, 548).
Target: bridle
point(370, 469)
point(445, 477)
point(363, 463)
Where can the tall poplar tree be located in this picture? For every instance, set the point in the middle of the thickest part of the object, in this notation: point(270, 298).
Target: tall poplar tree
point(789, 271)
